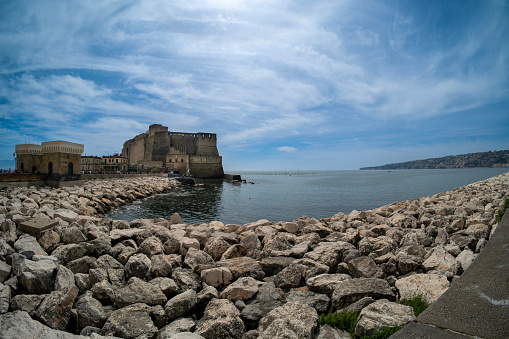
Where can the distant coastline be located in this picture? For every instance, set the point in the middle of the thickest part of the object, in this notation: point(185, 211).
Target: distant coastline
point(470, 160)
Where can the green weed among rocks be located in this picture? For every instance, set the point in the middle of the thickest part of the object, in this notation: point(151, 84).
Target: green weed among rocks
point(347, 321)
point(502, 210)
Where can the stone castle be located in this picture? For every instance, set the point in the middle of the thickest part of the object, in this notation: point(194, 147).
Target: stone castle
point(181, 153)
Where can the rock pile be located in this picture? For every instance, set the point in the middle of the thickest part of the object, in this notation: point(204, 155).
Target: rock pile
point(93, 276)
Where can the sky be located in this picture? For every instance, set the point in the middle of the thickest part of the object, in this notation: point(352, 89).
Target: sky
point(285, 85)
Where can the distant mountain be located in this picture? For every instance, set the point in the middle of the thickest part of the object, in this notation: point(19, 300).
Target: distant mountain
point(480, 159)
point(6, 164)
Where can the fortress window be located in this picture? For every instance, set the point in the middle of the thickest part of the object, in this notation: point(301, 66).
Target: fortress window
point(181, 160)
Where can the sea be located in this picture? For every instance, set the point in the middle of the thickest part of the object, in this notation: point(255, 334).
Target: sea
point(289, 195)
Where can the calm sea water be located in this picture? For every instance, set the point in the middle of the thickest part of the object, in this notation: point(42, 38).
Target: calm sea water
point(285, 196)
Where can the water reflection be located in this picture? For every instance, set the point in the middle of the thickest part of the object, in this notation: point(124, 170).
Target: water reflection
point(194, 204)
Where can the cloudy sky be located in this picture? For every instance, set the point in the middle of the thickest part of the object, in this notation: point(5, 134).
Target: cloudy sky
point(324, 84)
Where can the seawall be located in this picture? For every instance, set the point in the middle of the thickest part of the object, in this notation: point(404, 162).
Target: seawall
point(157, 277)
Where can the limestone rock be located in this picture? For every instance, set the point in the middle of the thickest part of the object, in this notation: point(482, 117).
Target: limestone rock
point(137, 291)
point(138, 266)
point(163, 264)
point(49, 240)
point(465, 258)
point(364, 267)
point(216, 277)
point(90, 312)
point(55, 309)
point(70, 252)
point(349, 291)
point(320, 302)
point(64, 278)
point(151, 246)
point(329, 253)
point(242, 289)
point(133, 321)
point(5, 298)
point(221, 319)
point(329, 332)
point(186, 279)
point(383, 313)
point(440, 261)
point(19, 324)
point(180, 305)
point(27, 302)
point(379, 245)
point(292, 320)
point(36, 276)
point(73, 235)
point(177, 326)
point(216, 247)
point(243, 267)
point(198, 260)
point(28, 243)
point(5, 271)
point(168, 286)
point(429, 286)
point(325, 283)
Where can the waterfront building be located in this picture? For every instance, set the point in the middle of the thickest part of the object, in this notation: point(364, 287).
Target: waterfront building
point(91, 163)
point(114, 163)
point(54, 158)
point(175, 152)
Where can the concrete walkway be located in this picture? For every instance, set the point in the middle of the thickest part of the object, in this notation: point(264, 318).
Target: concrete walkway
point(477, 304)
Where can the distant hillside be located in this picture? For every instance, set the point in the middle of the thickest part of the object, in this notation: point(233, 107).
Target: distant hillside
point(470, 160)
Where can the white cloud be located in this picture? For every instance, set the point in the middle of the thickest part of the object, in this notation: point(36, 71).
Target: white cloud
point(287, 149)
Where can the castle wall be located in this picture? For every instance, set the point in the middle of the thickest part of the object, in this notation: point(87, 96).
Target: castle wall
point(176, 150)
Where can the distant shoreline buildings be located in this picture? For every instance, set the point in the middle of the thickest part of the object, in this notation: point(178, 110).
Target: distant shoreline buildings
point(155, 151)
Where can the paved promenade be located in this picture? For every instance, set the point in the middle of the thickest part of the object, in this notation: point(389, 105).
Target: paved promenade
point(477, 304)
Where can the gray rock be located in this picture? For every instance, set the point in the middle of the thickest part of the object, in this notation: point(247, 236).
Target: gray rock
point(5, 298)
point(181, 304)
point(268, 298)
point(221, 319)
point(138, 266)
point(177, 326)
point(70, 252)
point(151, 246)
point(5, 271)
point(73, 235)
point(465, 258)
point(198, 260)
point(5, 248)
point(168, 286)
point(90, 312)
point(440, 261)
point(292, 320)
point(329, 332)
point(349, 291)
point(325, 283)
point(204, 296)
point(379, 245)
point(163, 264)
point(216, 247)
point(49, 240)
point(66, 215)
point(329, 253)
point(133, 321)
point(36, 276)
point(273, 265)
point(19, 324)
point(186, 279)
point(138, 291)
point(81, 265)
point(242, 289)
point(320, 302)
point(358, 305)
point(383, 313)
point(64, 278)
point(216, 277)
point(243, 267)
point(27, 302)
point(298, 272)
point(55, 309)
point(186, 335)
point(364, 267)
point(28, 243)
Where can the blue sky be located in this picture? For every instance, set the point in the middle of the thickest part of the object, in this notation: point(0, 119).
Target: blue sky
point(284, 84)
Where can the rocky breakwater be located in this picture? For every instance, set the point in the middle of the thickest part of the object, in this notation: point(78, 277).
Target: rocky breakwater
point(165, 279)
